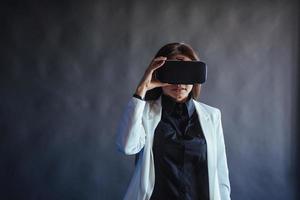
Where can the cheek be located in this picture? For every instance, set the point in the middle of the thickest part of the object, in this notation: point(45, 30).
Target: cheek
point(189, 88)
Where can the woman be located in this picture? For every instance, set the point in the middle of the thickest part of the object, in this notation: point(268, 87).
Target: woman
point(179, 141)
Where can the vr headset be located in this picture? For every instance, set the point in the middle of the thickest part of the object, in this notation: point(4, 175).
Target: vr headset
point(182, 72)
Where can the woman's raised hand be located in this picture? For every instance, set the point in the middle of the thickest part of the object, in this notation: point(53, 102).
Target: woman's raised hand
point(148, 81)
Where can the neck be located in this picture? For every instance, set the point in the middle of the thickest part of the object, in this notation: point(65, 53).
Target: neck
point(183, 100)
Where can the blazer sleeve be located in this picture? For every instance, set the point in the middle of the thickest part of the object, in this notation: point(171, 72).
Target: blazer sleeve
point(130, 132)
point(223, 174)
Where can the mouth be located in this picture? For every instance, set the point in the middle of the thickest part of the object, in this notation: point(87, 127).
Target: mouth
point(178, 89)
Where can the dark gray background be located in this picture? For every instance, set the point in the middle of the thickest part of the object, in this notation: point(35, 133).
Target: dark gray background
point(68, 68)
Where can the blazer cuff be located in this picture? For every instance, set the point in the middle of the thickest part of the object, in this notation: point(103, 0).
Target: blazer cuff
point(137, 104)
point(137, 96)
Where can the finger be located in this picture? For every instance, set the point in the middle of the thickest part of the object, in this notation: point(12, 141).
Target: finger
point(160, 58)
point(165, 84)
point(157, 83)
point(158, 64)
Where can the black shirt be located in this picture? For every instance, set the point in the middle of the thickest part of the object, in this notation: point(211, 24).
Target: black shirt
point(180, 156)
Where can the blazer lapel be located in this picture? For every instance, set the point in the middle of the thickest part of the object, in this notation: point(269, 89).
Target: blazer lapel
point(207, 128)
point(148, 174)
point(154, 114)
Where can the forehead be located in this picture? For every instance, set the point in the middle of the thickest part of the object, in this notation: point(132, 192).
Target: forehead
point(179, 57)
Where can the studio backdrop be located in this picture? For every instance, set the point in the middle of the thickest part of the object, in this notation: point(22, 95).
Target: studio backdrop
point(68, 69)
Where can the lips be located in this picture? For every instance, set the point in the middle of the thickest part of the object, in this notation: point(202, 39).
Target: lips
point(178, 89)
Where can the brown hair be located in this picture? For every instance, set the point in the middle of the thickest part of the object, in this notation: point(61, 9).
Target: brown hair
point(168, 51)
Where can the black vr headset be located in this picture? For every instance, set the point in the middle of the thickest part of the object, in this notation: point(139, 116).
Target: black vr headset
point(182, 72)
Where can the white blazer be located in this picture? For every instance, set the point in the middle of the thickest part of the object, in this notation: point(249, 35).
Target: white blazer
point(135, 133)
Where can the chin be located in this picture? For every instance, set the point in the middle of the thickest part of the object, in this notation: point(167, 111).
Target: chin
point(179, 97)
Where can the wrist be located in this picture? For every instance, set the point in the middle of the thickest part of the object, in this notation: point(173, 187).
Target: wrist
point(141, 91)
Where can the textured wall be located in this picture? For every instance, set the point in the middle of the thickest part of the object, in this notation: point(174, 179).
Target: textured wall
point(67, 70)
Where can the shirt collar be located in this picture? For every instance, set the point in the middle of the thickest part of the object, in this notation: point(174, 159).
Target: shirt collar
point(169, 104)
